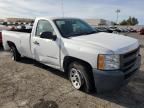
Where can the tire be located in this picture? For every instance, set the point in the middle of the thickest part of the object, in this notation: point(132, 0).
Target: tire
point(15, 56)
point(79, 77)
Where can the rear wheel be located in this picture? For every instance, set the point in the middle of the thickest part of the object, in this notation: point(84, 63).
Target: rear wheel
point(79, 77)
point(15, 54)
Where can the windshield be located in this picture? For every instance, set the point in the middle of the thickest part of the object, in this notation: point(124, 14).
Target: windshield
point(73, 27)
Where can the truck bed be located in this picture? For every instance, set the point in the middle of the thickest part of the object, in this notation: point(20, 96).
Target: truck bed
point(20, 39)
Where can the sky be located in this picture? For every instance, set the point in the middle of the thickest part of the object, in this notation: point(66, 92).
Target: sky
point(104, 9)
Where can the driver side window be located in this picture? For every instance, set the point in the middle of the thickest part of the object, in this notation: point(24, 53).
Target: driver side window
point(43, 26)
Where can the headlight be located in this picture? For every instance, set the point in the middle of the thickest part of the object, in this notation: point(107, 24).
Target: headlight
point(108, 62)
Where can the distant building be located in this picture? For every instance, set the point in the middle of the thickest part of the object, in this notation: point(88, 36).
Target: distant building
point(99, 22)
point(1, 20)
point(11, 20)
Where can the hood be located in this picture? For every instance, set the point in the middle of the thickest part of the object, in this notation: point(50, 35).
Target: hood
point(114, 42)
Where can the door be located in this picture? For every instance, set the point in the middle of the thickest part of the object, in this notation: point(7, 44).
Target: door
point(45, 50)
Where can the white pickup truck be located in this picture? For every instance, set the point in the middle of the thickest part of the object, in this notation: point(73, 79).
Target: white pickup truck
point(93, 61)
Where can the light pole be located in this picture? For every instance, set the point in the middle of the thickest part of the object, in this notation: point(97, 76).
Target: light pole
point(117, 11)
point(62, 8)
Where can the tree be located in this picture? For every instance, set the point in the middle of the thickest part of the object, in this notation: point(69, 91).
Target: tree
point(124, 22)
point(130, 21)
point(134, 21)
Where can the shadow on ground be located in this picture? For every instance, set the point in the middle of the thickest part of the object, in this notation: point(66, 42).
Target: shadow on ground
point(49, 69)
point(45, 104)
point(128, 96)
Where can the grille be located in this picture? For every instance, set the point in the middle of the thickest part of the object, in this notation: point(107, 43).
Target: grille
point(128, 60)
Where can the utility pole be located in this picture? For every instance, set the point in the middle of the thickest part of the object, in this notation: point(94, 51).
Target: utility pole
point(62, 8)
point(117, 12)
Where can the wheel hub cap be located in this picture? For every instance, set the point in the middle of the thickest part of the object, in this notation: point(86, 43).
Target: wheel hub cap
point(75, 78)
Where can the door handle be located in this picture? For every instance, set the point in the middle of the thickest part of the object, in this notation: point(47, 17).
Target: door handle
point(36, 43)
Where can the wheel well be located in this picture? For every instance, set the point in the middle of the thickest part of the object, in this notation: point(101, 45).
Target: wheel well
point(69, 59)
point(10, 44)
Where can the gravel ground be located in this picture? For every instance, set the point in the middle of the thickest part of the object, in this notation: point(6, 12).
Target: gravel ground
point(28, 85)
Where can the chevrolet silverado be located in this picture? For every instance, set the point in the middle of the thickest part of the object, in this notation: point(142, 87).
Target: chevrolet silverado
point(93, 60)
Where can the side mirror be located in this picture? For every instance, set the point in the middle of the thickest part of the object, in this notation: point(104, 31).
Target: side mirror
point(48, 35)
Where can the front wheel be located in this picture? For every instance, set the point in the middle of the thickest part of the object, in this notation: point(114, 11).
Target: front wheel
point(79, 77)
point(15, 56)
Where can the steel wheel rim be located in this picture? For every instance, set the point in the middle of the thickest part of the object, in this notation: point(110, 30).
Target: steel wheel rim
point(75, 78)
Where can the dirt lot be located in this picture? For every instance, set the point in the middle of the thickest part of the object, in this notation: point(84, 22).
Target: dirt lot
point(28, 85)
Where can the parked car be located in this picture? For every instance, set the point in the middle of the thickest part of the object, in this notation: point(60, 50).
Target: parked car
point(123, 30)
point(28, 27)
point(132, 30)
point(109, 30)
point(100, 61)
point(20, 27)
point(101, 29)
point(104, 29)
point(115, 29)
point(126, 30)
point(142, 31)
point(11, 27)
